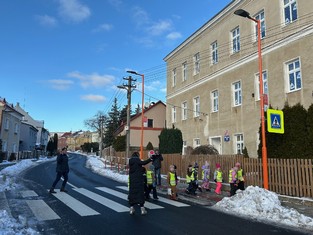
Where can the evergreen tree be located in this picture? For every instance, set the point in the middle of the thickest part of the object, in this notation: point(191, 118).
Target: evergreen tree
point(138, 109)
point(119, 143)
point(309, 123)
point(170, 141)
point(123, 115)
point(149, 146)
point(111, 125)
point(55, 142)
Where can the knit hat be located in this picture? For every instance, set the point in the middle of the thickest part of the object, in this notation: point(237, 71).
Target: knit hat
point(218, 165)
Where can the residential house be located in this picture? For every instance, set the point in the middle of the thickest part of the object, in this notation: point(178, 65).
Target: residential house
point(28, 137)
point(213, 76)
point(42, 134)
point(154, 122)
point(10, 127)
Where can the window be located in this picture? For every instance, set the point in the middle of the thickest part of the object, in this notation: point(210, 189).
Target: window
point(174, 77)
point(4, 146)
point(257, 85)
point(238, 144)
point(184, 147)
point(294, 75)
point(7, 124)
point(150, 123)
point(214, 50)
point(214, 101)
point(196, 106)
point(196, 59)
point(14, 148)
point(173, 114)
point(16, 128)
point(184, 110)
point(237, 94)
point(290, 11)
point(236, 40)
point(196, 142)
point(184, 71)
point(260, 17)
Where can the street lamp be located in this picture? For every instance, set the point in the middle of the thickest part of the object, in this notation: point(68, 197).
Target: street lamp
point(246, 14)
point(142, 109)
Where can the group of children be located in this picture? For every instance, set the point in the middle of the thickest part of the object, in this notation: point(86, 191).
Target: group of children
point(236, 180)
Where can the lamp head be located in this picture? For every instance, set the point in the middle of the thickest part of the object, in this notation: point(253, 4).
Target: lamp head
point(132, 72)
point(242, 13)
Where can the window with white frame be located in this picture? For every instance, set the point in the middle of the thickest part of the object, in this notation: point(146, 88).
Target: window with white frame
point(16, 128)
point(196, 59)
point(237, 98)
point(174, 77)
point(214, 101)
point(184, 71)
point(184, 147)
point(235, 40)
point(290, 11)
point(173, 114)
point(196, 142)
point(4, 146)
point(7, 124)
point(184, 110)
point(214, 50)
point(239, 143)
point(196, 106)
point(261, 17)
point(257, 85)
point(14, 148)
point(294, 80)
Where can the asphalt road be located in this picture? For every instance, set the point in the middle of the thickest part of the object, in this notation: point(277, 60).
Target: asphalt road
point(87, 209)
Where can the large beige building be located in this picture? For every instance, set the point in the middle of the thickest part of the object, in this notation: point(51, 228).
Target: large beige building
point(213, 76)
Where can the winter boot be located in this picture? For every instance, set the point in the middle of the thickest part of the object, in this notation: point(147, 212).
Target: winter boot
point(132, 210)
point(63, 190)
point(52, 190)
point(143, 211)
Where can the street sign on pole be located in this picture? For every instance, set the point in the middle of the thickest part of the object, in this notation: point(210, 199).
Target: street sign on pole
point(275, 121)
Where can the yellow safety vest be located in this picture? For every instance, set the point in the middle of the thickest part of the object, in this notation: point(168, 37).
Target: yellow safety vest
point(207, 176)
point(190, 178)
point(231, 176)
point(149, 177)
point(172, 179)
point(239, 175)
point(219, 176)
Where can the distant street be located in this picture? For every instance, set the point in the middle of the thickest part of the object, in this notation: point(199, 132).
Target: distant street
point(98, 205)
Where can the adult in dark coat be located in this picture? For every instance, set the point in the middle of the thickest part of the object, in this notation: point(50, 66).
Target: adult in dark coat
point(62, 169)
point(157, 159)
point(137, 182)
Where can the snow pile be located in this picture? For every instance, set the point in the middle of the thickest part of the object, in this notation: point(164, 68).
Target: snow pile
point(261, 204)
point(10, 226)
point(97, 166)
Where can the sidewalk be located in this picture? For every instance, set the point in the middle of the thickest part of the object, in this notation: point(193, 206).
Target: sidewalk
point(210, 198)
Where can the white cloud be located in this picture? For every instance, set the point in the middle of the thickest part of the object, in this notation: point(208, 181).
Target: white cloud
point(103, 27)
point(46, 20)
point(140, 16)
point(60, 84)
point(116, 3)
point(174, 35)
point(73, 10)
point(92, 80)
point(93, 98)
point(160, 27)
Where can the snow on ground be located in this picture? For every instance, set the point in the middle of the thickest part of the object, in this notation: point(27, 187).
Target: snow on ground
point(263, 205)
point(254, 202)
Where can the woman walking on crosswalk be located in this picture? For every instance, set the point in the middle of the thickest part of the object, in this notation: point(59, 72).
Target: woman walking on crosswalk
point(137, 182)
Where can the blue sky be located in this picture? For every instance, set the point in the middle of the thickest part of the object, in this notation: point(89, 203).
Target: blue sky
point(62, 59)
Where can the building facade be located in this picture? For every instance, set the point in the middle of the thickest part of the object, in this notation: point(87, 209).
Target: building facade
point(28, 137)
point(154, 122)
point(213, 76)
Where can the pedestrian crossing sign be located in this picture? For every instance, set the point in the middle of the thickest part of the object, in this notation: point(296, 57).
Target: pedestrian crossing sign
point(275, 121)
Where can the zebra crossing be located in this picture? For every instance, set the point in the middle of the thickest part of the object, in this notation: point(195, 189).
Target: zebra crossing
point(43, 212)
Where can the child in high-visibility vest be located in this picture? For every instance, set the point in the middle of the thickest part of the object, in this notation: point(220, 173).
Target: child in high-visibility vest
point(206, 176)
point(150, 184)
point(172, 182)
point(218, 178)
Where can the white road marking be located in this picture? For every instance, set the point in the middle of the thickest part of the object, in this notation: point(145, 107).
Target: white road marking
point(41, 210)
point(75, 205)
point(124, 197)
point(102, 200)
point(162, 199)
point(28, 193)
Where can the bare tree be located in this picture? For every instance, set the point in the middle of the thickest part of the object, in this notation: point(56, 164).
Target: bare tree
point(94, 123)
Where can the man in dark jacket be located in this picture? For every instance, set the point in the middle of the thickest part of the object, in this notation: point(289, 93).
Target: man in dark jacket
point(62, 169)
point(137, 183)
point(157, 159)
